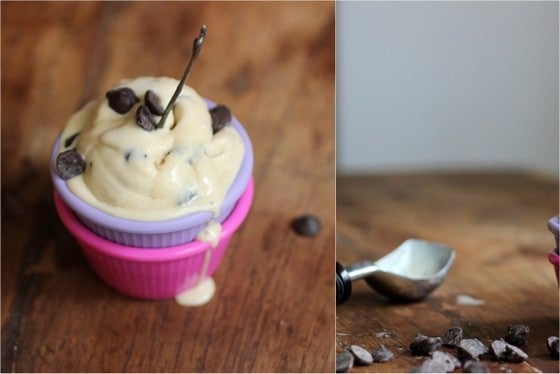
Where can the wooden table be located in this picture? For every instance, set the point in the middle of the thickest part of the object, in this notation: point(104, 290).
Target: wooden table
point(497, 224)
point(273, 64)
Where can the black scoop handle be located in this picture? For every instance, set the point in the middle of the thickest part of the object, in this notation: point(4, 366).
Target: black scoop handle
point(343, 284)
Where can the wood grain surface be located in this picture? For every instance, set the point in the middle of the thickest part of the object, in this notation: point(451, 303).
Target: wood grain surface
point(273, 64)
point(497, 224)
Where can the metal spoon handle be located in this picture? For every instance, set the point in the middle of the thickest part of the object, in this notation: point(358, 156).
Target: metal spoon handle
point(346, 275)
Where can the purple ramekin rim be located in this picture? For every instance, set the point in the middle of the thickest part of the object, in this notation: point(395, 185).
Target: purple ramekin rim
point(132, 226)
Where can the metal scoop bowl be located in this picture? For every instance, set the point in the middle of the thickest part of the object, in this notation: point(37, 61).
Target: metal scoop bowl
point(408, 273)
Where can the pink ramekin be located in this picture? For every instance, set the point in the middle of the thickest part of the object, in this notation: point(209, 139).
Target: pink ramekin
point(554, 259)
point(154, 273)
point(554, 228)
point(154, 234)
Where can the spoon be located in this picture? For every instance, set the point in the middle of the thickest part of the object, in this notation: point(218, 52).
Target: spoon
point(408, 273)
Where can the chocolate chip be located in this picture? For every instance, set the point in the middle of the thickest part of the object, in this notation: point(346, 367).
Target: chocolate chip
point(423, 345)
point(144, 118)
point(344, 362)
point(69, 140)
point(473, 366)
point(307, 225)
point(517, 334)
point(69, 164)
point(361, 355)
point(504, 351)
point(449, 361)
point(452, 337)
point(429, 366)
point(471, 349)
point(121, 100)
point(552, 345)
point(221, 117)
point(153, 103)
point(382, 354)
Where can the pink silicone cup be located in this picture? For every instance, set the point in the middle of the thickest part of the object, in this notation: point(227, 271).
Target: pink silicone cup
point(554, 227)
point(154, 273)
point(155, 234)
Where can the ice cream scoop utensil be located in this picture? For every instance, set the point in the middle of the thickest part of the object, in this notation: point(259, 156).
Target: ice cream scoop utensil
point(408, 273)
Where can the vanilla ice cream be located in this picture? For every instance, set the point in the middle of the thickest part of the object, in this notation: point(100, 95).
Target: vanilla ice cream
point(139, 172)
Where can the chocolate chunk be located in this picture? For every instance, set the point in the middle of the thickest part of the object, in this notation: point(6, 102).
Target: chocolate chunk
point(144, 118)
point(517, 334)
point(449, 361)
point(503, 351)
point(344, 362)
point(552, 345)
point(69, 140)
point(382, 354)
point(121, 100)
point(514, 354)
point(471, 349)
point(452, 337)
point(473, 366)
point(221, 117)
point(361, 355)
point(429, 366)
point(307, 225)
point(153, 103)
point(423, 345)
point(69, 164)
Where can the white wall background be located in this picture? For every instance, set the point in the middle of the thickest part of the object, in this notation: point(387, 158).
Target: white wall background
point(447, 85)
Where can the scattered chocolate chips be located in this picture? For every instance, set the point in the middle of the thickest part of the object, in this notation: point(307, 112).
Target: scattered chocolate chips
point(517, 335)
point(473, 366)
point(504, 351)
point(144, 118)
point(552, 345)
point(382, 354)
point(69, 140)
point(307, 225)
point(344, 362)
point(452, 337)
point(361, 355)
point(423, 345)
point(221, 117)
point(471, 349)
point(121, 100)
point(153, 103)
point(69, 164)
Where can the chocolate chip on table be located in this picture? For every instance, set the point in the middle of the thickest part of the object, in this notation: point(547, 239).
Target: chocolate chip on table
point(473, 366)
point(361, 355)
point(153, 103)
point(221, 117)
point(471, 349)
point(306, 225)
point(144, 118)
point(69, 164)
point(344, 362)
point(423, 345)
point(517, 335)
point(429, 366)
point(449, 361)
point(503, 351)
point(121, 100)
point(382, 354)
point(452, 337)
point(552, 345)
point(69, 140)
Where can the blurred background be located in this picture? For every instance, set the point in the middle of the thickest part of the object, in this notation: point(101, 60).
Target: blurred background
point(447, 85)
